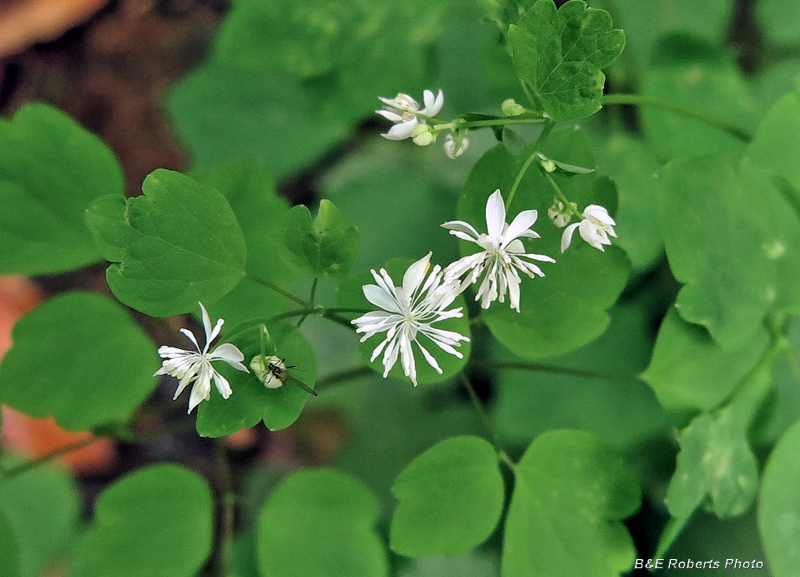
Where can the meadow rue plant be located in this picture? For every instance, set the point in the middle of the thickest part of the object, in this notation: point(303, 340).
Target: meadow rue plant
point(195, 366)
point(595, 228)
point(405, 112)
point(408, 312)
point(584, 370)
point(503, 254)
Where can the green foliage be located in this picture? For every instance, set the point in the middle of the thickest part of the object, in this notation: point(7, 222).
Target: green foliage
point(156, 522)
point(320, 522)
point(50, 170)
point(559, 54)
point(97, 379)
point(746, 270)
point(9, 550)
point(450, 497)
point(779, 505)
point(252, 402)
point(570, 496)
point(177, 244)
point(560, 312)
point(38, 502)
point(326, 247)
point(689, 371)
point(693, 73)
point(776, 140)
point(351, 295)
point(260, 212)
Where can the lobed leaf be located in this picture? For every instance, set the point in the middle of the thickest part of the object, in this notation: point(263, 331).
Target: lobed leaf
point(559, 54)
point(320, 522)
point(51, 169)
point(85, 382)
point(156, 522)
point(177, 244)
point(570, 495)
point(326, 247)
point(451, 498)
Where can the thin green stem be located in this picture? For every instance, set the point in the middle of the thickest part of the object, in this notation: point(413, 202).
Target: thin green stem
point(344, 376)
point(488, 123)
point(332, 314)
point(43, 460)
point(561, 196)
point(546, 129)
point(227, 506)
point(310, 300)
point(278, 290)
point(540, 368)
point(707, 119)
point(491, 431)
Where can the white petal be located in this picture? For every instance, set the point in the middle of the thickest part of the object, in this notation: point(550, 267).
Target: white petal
point(402, 130)
point(433, 107)
point(415, 273)
point(459, 226)
point(495, 215)
point(592, 235)
point(598, 212)
point(190, 335)
point(521, 223)
point(206, 322)
point(566, 238)
point(229, 353)
point(389, 115)
point(222, 384)
point(380, 298)
point(429, 357)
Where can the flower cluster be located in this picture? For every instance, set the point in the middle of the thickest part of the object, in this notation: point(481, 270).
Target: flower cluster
point(409, 311)
point(595, 226)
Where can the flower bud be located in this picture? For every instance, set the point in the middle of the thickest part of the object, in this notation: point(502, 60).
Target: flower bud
point(454, 147)
point(422, 135)
point(511, 108)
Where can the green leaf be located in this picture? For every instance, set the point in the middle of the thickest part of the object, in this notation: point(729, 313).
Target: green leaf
point(618, 409)
point(326, 247)
point(351, 295)
point(777, 137)
point(689, 371)
point(320, 522)
point(632, 167)
point(471, 564)
point(694, 73)
point(223, 112)
point(9, 550)
point(451, 498)
point(50, 170)
point(570, 495)
point(777, 19)
point(42, 501)
point(250, 190)
point(779, 506)
point(706, 205)
point(559, 55)
point(156, 522)
point(177, 244)
point(85, 382)
point(561, 311)
point(252, 402)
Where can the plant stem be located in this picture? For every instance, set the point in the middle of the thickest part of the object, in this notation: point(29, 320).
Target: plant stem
point(562, 197)
point(227, 505)
point(43, 460)
point(707, 119)
point(344, 376)
point(539, 368)
point(546, 129)
point(310, 300)
point(494, 438)
point(278, 290)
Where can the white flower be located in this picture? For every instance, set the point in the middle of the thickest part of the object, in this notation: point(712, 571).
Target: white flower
point(502, 254)
point(195, 366)
point(408, 312)
point(403, 110)
point(559, 214)
point(594, 228)
point(450, 148)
